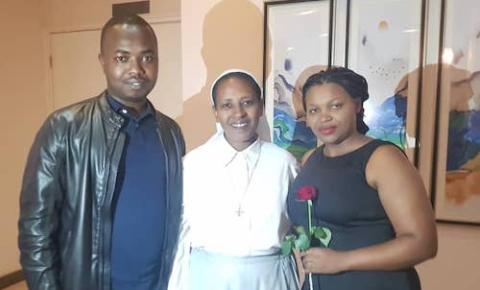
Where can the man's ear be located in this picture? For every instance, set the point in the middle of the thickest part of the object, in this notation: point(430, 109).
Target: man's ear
point(101, 60)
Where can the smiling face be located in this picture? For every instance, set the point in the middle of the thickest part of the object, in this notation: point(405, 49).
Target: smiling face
point(331, 113)
point(238, 109)
point(129, 62)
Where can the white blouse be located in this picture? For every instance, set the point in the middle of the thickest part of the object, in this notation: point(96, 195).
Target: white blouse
point(235, 202)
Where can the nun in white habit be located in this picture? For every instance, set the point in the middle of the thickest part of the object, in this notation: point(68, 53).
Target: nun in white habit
point(235, 190)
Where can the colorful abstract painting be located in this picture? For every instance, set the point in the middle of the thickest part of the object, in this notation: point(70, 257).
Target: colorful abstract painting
point(298, 38)
point(457, 196)
point(384, 47)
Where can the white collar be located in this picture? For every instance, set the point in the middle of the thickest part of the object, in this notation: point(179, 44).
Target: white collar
point(226, 153)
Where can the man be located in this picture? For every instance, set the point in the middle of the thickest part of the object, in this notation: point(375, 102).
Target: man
point(102, 190)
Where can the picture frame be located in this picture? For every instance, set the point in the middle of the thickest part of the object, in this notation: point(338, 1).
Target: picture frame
point(456, 197)
point(297, 43)
point(385, 44)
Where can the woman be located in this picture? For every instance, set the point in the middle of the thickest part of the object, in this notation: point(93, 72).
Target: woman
point(235, 192)
point(369, 195)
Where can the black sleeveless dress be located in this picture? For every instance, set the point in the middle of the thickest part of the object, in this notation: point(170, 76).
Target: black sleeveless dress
point(352, 210)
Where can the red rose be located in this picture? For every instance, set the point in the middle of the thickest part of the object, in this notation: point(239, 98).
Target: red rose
point(307, 192)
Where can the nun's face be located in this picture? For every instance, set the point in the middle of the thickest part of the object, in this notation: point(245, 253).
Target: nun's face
point(238, 110)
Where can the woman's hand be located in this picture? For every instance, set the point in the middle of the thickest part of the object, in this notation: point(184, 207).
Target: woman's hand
point(323, 261)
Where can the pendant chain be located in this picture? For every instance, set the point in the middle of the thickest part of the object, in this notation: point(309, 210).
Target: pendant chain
point(239, 209)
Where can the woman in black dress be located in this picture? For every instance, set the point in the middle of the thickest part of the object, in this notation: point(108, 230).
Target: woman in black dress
point(369, 195)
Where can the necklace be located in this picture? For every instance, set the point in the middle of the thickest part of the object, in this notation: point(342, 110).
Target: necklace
point(239, 211)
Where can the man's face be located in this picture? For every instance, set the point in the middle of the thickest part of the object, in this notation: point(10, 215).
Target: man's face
point(129, 62)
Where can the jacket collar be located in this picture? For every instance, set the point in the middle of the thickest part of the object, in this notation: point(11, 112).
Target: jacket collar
point(109, 115)
point(114, 118)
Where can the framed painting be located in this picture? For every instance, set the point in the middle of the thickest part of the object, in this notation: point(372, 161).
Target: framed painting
point(457, 154)
point(385, 45)
point(297, 43)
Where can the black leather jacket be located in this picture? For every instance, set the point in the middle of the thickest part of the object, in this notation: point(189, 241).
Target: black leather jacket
point(66, 214)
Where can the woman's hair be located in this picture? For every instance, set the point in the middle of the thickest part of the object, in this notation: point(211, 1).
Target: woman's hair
point(236, 75)
point(354, 84)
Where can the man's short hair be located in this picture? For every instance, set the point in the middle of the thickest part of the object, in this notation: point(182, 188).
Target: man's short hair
point(131, 20)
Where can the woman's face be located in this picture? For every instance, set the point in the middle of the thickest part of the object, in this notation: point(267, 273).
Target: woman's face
point(331, 113)
point(238, 110)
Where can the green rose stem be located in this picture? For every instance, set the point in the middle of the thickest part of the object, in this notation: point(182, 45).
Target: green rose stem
point(310, 205)
point(310, 232)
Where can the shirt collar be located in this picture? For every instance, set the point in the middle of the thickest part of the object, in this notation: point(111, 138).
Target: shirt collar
point(227, 153)
point(125, 111)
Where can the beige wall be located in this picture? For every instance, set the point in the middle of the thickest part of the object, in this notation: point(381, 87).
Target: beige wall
point(23, 109)
point(456, 265)
point(24, 27)
point(216, 35)
point(74, 14)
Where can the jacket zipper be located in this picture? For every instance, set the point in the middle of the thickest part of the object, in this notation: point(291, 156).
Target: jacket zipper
point(106, 225)
point(167, 200)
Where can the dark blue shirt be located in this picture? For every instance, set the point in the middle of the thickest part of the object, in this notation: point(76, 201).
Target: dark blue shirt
point(140, 197)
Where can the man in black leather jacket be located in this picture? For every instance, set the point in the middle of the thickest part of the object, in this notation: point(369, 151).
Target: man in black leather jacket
point(97, 172)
